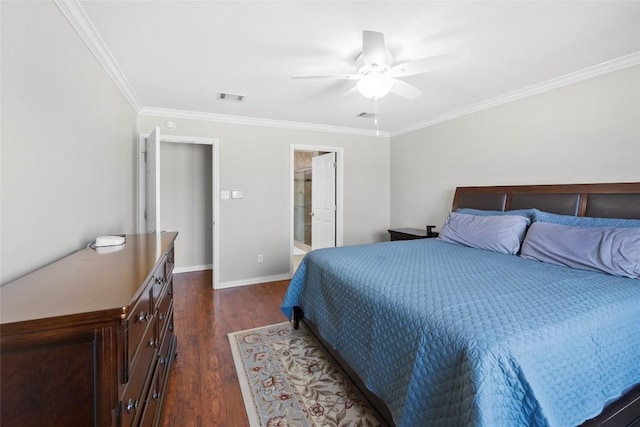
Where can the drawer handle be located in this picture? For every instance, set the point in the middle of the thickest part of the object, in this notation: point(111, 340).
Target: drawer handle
point(143, 317)
point(155, 395)
point(161, 317)
point(153, 343)
point(161, 361)
point(132, 406)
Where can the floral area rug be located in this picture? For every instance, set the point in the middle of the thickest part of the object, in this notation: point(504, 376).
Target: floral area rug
point(287, 379)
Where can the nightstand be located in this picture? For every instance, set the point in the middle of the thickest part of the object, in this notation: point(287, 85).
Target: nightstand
point(412, 233)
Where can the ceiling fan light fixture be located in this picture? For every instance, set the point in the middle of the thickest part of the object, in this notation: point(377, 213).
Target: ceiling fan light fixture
point(375, 85)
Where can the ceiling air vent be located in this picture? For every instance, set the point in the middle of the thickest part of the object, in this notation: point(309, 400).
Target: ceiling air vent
point(231, 97)
point(365, 115)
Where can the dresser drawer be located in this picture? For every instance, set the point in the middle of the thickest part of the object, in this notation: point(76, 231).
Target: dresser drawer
point(159, 281)
point(169, 263)
point(133, 397)
point(136, 326)
point(164, 357)
point(166, 304)
point(151, 403)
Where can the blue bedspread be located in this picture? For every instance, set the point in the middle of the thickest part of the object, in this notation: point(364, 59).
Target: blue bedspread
point(448, 335)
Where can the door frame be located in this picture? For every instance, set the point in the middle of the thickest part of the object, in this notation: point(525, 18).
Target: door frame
point(339, 192)
point(152, 176)
point(215, 190)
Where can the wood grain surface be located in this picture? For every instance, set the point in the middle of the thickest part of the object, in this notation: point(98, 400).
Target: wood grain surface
point(203, 387)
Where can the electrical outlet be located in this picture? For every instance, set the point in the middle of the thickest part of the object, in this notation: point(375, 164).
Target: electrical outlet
point(260, 258)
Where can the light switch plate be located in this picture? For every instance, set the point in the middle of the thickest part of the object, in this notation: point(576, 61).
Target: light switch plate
point(235, 194)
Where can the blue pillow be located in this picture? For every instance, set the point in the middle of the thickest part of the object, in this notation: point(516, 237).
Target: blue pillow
point(527, 213)
point(583, 221)
point(499, 233)
point(610, 250)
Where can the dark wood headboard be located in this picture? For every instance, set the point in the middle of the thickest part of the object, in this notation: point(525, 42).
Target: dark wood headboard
point(613, 200)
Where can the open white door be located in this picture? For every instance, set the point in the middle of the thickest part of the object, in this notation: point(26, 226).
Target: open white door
point(152, 181)
point(323, 201)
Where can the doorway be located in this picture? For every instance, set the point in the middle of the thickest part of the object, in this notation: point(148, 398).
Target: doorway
point(302, 206)
point(315, 200)
point(155, 192)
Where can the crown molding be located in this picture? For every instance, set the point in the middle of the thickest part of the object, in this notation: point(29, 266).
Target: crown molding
point(254, 121)
point(77, 17)
point(555, 83)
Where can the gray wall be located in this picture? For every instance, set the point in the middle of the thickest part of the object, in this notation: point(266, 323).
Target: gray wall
point(256, 160)
point(585, 132)
point(67, 155)
point(185, 201)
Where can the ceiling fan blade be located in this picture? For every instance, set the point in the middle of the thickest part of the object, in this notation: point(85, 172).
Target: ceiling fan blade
point(405, 90)
point(348, 93)
point(373, 49)
point(327, 76)
point(430, 63)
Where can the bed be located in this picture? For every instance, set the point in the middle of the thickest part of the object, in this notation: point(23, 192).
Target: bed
point(441, 333)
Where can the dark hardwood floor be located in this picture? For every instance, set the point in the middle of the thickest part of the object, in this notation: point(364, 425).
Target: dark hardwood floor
point(203, 387)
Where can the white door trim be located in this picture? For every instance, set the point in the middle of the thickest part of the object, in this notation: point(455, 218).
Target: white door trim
point(215, 189)
point(339, 192)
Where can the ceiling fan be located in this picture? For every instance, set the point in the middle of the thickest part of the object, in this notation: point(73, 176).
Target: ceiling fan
point(377, 76)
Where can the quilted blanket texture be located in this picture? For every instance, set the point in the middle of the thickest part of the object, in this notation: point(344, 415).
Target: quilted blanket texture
point(448, 335)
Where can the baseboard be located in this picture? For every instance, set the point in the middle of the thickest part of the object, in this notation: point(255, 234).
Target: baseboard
point(254, 281)
point(190, 268)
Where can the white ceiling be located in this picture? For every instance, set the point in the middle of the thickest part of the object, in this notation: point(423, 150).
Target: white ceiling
point(177, 55)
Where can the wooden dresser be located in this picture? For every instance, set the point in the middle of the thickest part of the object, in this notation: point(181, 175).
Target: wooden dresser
point(89, 340)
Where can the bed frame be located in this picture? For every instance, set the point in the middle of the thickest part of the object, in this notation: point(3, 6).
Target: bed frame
point(620, 200)
point(611, 200)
